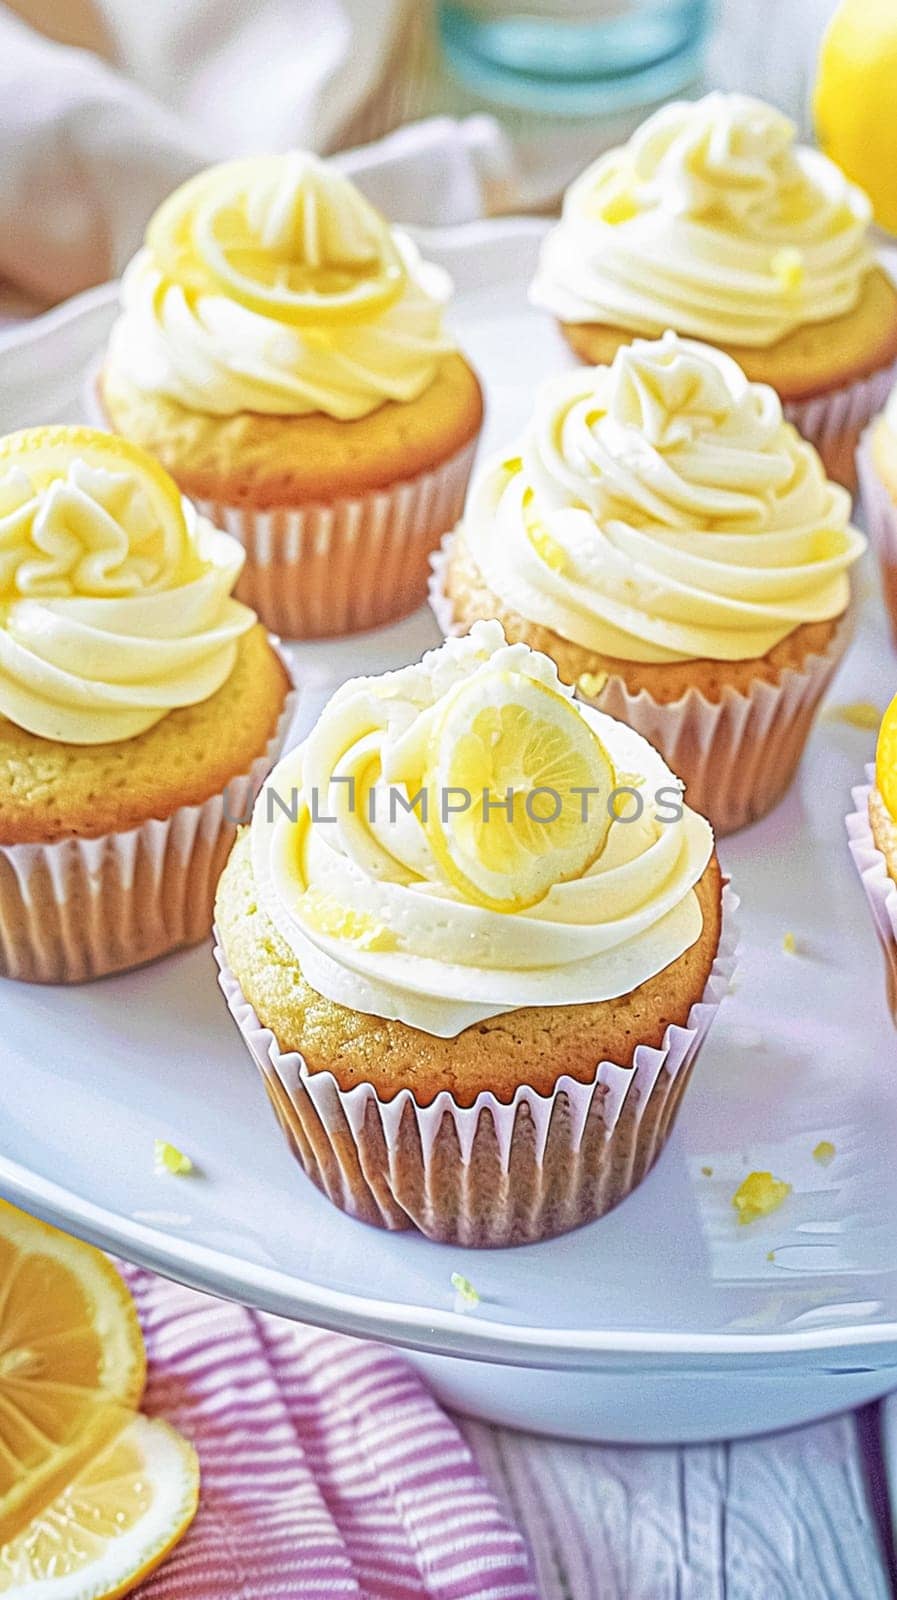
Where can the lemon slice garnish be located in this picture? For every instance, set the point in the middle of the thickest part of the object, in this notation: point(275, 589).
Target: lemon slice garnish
point(546, 779)
point(92, 1496)
point(886, 758)
point(207, 238)
point(108, 1529)
point(46, 455)
point(71, 1361)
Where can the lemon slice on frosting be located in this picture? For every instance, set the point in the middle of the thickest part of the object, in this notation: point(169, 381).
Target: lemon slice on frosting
point(886, 758)
point(518, 789)
point(284, 236)
point(47, 455)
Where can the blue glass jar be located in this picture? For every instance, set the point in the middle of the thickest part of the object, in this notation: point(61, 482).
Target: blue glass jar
point(575, 57)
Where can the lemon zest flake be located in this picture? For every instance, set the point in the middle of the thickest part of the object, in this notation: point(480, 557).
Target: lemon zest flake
point(464, 1289)
point(591, 684)
point(787, 265)
point(789, 944)
point(329, 916)
point(824, 1152)
point(758, 1195)
point(547, 549)
point(707, 1172)
point(168, 1158)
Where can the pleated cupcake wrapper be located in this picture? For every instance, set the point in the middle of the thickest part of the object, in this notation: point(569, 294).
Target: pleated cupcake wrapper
point(357, 563)
point(881, 521)
point(834, 421)
point(736, 756)
point(881, 890)
point(490, 1173)
point(342, 566)
point(81, 908)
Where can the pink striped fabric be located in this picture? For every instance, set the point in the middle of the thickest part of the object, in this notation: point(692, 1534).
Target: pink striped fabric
point(327, 1468)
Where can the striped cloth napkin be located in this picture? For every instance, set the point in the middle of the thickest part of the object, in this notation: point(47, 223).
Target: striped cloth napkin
point(327, 1468)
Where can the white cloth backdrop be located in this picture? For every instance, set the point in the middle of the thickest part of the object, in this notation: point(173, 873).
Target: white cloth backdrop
point(90, 143)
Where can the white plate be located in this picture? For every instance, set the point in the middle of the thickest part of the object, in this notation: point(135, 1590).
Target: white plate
point(666, 1287)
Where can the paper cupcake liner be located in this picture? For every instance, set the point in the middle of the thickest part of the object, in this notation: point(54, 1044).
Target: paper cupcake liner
point(881, 521)
point(833, 422)
point(318, 570)
point(881, 890)
point(337, 567)
point(736, 756)
point(491, 1173)
point(81, 908)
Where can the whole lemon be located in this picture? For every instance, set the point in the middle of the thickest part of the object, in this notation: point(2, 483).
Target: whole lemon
point(855, 99)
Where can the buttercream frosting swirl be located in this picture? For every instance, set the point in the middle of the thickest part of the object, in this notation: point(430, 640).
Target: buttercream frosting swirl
point(712, 221)
point(362, 317)
point(370, 914)
point(661, 509)
point(108, 619)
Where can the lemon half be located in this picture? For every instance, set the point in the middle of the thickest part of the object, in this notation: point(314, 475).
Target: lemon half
point(92, 1495)
point(71, 1361)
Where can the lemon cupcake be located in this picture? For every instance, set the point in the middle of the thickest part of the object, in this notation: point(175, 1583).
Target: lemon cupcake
point(282, 352)
point(872, 830)
point(712, 222)
point(674, 545)
point(877, 464)
point(473, 940)
point(140, 707)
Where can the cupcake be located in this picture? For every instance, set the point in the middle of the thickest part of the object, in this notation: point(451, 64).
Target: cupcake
point(877, 464)
point(712, 222)
point(473, 939)
point(872, 830)
point(282, 352)
point(140, 707)
point(674, 545)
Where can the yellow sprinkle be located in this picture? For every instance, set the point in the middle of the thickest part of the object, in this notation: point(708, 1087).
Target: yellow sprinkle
point(824, 1152)
point(758, 1195)
point(168, 1158)
point(858, 713)
point(553, 554)
point(770, 1255)
point(591, 684)
point(622, 208)
point(788, 266)
point(707, 1171)
point(789, 944)
point(465, 1289)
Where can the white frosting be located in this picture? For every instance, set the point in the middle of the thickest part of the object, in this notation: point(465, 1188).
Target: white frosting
point(661, 509)
point(710, 221)
point(372, 920)
point(108, 621)
point(184, 338)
